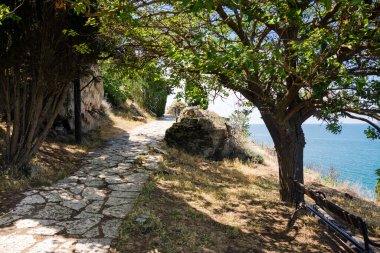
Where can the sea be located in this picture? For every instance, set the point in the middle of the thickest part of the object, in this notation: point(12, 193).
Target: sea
point(350, 153)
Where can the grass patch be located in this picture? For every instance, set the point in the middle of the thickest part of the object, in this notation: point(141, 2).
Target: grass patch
point(198, 205)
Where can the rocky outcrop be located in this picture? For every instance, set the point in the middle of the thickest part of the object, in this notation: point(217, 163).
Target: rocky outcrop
point(92, 94)
point(205, 133)
point(201, 132)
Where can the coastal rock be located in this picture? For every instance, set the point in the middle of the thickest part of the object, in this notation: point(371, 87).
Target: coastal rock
point(200, 132)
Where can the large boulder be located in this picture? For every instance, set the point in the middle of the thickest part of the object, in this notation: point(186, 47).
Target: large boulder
point(201, 132)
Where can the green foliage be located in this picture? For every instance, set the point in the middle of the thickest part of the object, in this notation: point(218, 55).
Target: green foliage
point(154, 96)
point(372, 133)
point(113, 91)
point(7, 13)
point(195, 95)
point(239, 121)
point(147, 89)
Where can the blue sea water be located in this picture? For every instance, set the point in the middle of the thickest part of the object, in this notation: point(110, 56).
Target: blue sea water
point(353, 155)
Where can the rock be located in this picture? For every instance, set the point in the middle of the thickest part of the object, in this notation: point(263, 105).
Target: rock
point(55, 212)
point(118, 211)
point(128, 187)
point(126, 195)
point(94, 232)
point(23, 209)
point(80, 226)
point(52, 196)
point(91, 96)
point(137, 178)
point(33, 199)
point(8, 218)
point(94, 207)
point(111, 228)
point(142, 219)
point(91, 193)
point(75, 204)
point(88, 215)
point(114, 180)
point(112, 201)
point(200, 133)
point(146, 223)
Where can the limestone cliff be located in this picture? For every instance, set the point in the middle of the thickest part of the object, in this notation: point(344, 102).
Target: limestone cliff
point(92, 94)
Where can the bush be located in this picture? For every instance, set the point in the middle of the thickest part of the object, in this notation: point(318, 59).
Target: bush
point(146, 89)
point(113, 91)
point(239, 121)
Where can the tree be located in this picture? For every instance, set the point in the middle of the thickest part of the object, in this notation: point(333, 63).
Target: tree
point(43, 45)
point(292, 59)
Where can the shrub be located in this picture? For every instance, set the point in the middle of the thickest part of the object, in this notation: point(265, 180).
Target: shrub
point(113, 91)
point(332, 176)
point(146, 89)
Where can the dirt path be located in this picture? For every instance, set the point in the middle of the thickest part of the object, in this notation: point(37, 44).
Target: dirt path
point(83, 212)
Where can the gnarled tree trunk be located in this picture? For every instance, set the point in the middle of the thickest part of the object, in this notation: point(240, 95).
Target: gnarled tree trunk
point(289, 141)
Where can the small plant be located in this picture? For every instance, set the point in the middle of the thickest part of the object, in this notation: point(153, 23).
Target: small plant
point(239, 121)
point(332, 176)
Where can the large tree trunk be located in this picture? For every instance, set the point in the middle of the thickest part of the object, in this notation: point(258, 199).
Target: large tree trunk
point(289, 142)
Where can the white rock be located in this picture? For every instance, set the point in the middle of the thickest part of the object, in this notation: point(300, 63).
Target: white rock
point(15, 243)
point(31, 223)
point(50, 230)
point(33, 199)
point(93, 246)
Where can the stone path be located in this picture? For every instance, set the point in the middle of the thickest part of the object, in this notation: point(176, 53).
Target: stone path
point(83, 212)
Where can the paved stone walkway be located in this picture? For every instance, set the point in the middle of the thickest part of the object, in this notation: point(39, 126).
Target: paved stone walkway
point(83, 212)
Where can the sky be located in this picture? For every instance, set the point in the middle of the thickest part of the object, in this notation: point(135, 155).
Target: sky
point(224, 107)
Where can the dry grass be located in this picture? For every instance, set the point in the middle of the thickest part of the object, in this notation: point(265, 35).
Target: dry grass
point(196, 205)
